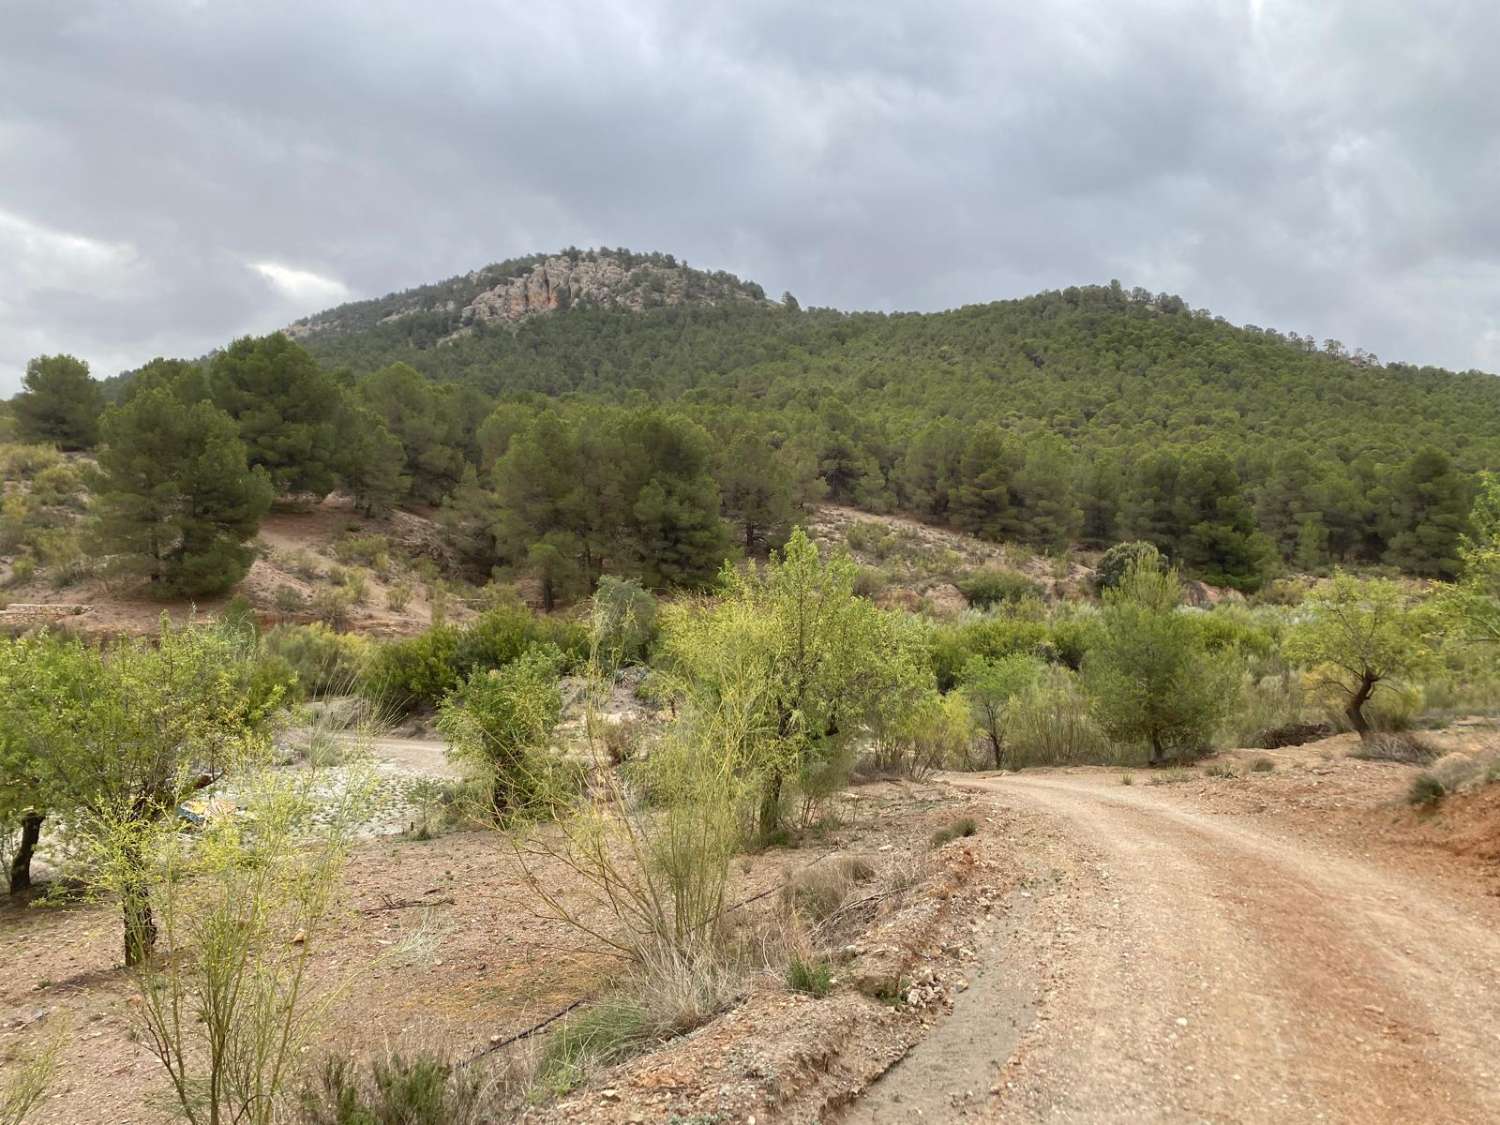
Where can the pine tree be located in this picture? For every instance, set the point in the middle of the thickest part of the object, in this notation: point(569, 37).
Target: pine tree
point(286, 409)
point(59, 403)
point(176, 500)
point(370, 460)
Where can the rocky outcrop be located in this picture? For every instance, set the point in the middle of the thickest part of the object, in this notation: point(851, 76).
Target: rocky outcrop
point(560, 282)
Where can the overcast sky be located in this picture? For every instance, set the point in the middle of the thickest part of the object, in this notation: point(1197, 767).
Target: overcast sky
point(174, 173)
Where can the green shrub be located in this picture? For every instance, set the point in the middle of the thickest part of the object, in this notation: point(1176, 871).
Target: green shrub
point(331, 606)
point(1121, 559)
point(421, 1089)
point(57, 486)
point(604, 1033)
point(324, 662)
point(1395, 747)
point(958, 830)
point(25, 462)
point(993, 586)
point(1052, 725)
point(1426, 790)
point(1262, 765)
point(289, 599)
point(373, 551)
point(624, 621)
point(416, 671)
point(398, 597)
point(813, 977)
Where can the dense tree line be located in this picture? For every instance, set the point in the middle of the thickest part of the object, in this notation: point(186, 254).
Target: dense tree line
point(650, 445)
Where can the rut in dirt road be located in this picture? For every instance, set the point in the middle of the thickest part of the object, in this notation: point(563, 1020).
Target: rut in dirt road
point(1197, 968)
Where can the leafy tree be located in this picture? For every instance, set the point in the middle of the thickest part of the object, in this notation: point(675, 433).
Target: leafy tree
point(1358, 636)
point(764, 488)
point(1150, 676)
point(423, 419)
point(175, 498)
point(991, 687)
point(1429, 510)
point(139, 733)
point(286, 409)
point(795, 657)
point(59, 403)
point(37, 674)
point(370, 460)
point(1475, 602)
point(1121, 559)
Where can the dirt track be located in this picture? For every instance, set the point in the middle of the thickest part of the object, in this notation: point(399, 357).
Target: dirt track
point(1194, 967)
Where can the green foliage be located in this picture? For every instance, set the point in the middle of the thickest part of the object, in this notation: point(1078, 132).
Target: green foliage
point(1357, 636)
point(1474, 604)
point(990, 687)
point(418, 1089)
point(601, 1034)
point(176, 501)
point(1051, 724)
point(415, 671)
point(286, 409)
point(426, 421)
point(993, 586)
point(1152, 678)
point(625, 621)
point(1121, 559)
point(323, 662)
point(813, 977)
point(802, 656)
point(1426, 790)
point(59, 403)
point(498, 724)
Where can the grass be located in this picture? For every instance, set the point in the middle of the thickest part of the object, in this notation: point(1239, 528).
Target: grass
point(1224, 770)
point(604, 1033)
point(1174, 776)
point(1426, 790)
point(1262, 765)
point(1127, 779)
point(1408, 749)
point(812, 977)
point(816, 893)
point(962, 827)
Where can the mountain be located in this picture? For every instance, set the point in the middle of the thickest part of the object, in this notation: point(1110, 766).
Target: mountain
point(512, 291)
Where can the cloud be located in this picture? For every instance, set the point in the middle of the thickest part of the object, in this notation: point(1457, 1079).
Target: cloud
point(1323, 166)
point(303, 286)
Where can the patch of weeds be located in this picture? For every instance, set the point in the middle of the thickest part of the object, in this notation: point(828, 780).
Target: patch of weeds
point(776, 838)
point(605, 1033)
point(437, 807)
point(1224, 770)
point(419, 1089)
point(814, 977)
point(1426, 790)
point(958, 830)
point(1174, 776)
point(323, 750)
point(1127, 779)
point(1408, 749)
point(1262, 765)
point(818, 892)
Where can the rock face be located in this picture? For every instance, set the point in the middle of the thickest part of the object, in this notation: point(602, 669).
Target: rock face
point(560, 282)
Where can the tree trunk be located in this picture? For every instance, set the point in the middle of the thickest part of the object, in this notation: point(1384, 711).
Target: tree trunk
point(1156, 750)
point(20, 863)
point(995, 747)
point(1356, 709)
point(770, 806)
point(140, 927)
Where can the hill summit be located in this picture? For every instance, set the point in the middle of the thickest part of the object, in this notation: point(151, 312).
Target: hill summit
point(516, 290)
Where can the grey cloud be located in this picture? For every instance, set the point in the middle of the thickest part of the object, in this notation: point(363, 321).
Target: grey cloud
point(1324, 167)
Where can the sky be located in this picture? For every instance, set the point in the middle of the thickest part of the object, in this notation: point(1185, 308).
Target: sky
point(176, 173)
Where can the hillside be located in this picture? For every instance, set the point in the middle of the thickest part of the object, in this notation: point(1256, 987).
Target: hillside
point(1102, 366)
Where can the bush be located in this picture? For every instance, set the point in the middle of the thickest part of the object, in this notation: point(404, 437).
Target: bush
point(815, 977)
point(397, 597)
point(373, 551)
point(817, 892)
point(1052, 725)
point(331, 606)
point(324, 662)
point(500, 636)
point(958, 830)
point(993, 586)
point(421, 1089)
point(624, 621)
point(604, 1033)
point(1426, 790)
point(1120, 559)
point(1262, 765)
point(416, 671)
point(1386, 747)
point(289, 599)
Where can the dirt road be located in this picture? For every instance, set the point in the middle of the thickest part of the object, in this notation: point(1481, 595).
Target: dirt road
point(1183, 966)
